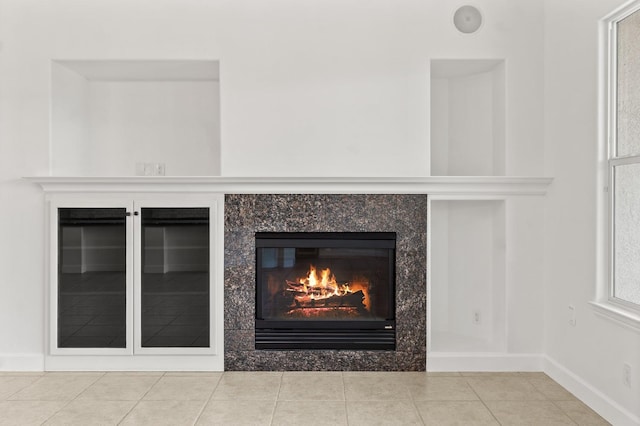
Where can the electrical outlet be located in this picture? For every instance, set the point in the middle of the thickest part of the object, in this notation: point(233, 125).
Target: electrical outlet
point(626, 375)
point(476, 317)
point(572, 315)
point(148, 169)
point(159, 169)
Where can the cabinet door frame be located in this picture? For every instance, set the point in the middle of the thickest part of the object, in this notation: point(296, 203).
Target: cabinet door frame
point(214, 203)
point(52, 295)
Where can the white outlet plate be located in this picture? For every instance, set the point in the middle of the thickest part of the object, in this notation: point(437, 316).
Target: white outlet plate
point(159, 169)
point(148, 169)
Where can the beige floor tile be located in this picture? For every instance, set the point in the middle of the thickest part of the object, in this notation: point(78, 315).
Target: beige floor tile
point(534, 413)
point(181, 388)
point(136, 373)
point(312, 386)
point(533, 375)
point(389, 376)
point(581, 414)
point(443, 373)
point(442, 389)
point(22, 373)
point(319, 412)
point(74, 373)
point(119, 387)
point(57, 387)
point(12, 384)
point(387, 413)
point(25, 413)
point(455, 413)
point(248, 385)
point(377, 387)
point(551, 389)
point(504, 388)
point(490, 374)
point(160, 413)
point(90, 413)
point(194, 373)
point(237, 413)
point(407, 377)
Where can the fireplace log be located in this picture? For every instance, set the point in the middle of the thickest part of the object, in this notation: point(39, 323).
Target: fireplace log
point(349, 300)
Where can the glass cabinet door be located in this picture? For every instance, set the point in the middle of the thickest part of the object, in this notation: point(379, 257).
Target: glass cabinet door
point(174, 278)
point(92, 282)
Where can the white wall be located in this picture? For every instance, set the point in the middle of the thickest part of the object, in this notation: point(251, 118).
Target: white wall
point(593, 352)
point(171, 122)
point(309, 88)
point(69, 122)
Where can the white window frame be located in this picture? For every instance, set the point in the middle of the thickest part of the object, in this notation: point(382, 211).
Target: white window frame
point(619, 310)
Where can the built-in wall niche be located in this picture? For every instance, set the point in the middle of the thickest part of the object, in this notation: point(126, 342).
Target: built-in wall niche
point(128, 118)
point(467, 276)
point(468, 117)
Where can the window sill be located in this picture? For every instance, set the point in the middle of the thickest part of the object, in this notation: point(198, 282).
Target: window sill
point(617, 314)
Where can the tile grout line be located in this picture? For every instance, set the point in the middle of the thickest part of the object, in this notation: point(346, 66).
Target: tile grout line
point(413, 400)
point(481, 400)
point(20, 390)
point(71, 400)
point(208, 401)
point(344, 395)
point(549, 399)
point(140, 399)
point(275, 405)
point(564, 412)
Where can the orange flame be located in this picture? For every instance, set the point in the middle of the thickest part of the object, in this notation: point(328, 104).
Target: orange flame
point(313, 287)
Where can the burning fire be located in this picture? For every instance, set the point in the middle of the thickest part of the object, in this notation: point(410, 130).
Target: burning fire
point(325, 291)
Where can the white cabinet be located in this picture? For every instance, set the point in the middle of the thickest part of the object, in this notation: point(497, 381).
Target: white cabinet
point(138, 275)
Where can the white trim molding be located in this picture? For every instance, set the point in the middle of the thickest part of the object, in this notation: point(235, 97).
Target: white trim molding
point(21, 362)
point(441, 187)
point(483, 361)
point(134, 363)
point(605, 303)
point(618, 315)
point(590, 395)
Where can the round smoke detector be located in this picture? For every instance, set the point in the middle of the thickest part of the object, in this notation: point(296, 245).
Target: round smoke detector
point(467, 19)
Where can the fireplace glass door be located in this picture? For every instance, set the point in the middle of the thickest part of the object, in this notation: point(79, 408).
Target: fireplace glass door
point(325, 290)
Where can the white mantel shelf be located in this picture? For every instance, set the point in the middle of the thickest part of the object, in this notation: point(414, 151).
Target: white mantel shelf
point(440, 187)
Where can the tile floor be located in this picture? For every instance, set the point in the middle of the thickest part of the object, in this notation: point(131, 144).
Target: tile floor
point(289, 398)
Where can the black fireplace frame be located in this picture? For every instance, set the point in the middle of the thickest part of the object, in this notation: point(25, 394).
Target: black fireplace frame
point(365, 334)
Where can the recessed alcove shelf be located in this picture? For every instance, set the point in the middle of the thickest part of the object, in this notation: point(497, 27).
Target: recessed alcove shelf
point(111, 117)
point(468, 272)
point(468, 113)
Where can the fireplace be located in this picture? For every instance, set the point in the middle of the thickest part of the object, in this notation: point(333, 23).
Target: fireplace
point(325, 290)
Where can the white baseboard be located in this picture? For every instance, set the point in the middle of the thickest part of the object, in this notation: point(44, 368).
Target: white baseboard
point(483, 361)
point(135, 363)
point(599, 402)
point(21, 362)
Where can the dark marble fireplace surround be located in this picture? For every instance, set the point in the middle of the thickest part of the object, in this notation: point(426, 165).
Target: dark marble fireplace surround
point(246, 214)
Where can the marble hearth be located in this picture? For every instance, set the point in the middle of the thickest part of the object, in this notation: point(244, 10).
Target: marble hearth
point(246, 214)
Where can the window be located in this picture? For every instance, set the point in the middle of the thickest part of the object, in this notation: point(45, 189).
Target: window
point(624, 158)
